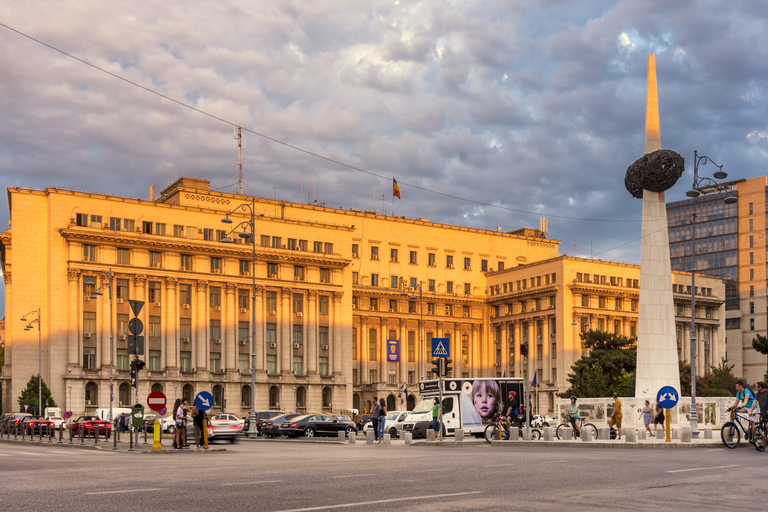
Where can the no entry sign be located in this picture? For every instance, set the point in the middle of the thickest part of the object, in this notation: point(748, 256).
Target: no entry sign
point(156, 400)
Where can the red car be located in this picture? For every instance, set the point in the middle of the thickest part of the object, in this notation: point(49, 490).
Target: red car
point(34, 425)
point(91, 425)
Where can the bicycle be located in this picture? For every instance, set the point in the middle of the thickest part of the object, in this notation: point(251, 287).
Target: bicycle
point(499, 425)
point(570, 422)
point(733, 430)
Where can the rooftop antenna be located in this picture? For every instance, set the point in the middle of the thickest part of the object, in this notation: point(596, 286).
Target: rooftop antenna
point(575, 243)
point(239, 137)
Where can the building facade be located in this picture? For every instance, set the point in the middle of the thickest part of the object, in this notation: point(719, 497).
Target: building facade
point(730, 243)
point(346, 301)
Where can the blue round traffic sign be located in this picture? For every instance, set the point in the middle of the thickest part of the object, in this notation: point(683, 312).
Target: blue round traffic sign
point(204, 400)
point(667, 397)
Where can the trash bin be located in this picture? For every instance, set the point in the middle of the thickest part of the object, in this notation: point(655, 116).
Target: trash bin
point(137, 414)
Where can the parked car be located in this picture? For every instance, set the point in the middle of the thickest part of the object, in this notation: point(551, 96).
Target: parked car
point(35, 425)
point(57, 420)
point(13, 420)
point(226, 427)
point(311, 425)
point(191, 432)
point(543, 420)
point(91, 426)
point(230, 417)
point(271, 426)
point(260, 416)
point(394, 425)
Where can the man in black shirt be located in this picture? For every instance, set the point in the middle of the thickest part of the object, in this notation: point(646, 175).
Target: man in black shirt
point(512, 410)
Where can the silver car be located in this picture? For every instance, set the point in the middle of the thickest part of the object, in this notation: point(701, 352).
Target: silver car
point(394, 425)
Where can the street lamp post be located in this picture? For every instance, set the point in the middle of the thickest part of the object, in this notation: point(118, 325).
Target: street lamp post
point(108, 276)
point(700, 183)
point(250, 209)
point(410, 291)
point(36, 312)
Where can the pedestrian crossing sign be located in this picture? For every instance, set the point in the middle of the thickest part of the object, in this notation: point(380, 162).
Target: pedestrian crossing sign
point(440, 347)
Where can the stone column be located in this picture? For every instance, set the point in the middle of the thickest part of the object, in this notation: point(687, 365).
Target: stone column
point(103, 344)
point(403, 371)
point(546, 356)
point(73, 337)
point(200, 328)
point(230, 327)
point(382, 351)
point(514, 327)
point(475, 362)
point(286, 341)
point(170, 354)
point(336, 348)
point(504, 344)
point(312, 348)
point(363, 349)
point(260, 346)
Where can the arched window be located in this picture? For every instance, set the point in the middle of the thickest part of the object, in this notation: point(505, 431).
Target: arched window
point(356, 401)
point(218, 391)
point(125, 394)
point(91, 394)
point(274, 397)
point(391, 403)
point(301, 397)
point(157, 387)
point(245, 396)
point(188, 392)
point(410, 402)
point(327, 400)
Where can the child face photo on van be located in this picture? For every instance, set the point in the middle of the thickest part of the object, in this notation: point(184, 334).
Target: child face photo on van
point(485, 398)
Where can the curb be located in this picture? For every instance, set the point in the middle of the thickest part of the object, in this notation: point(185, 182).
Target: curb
point(330, 440)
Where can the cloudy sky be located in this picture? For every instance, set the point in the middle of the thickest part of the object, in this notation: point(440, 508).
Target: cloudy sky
point(519, 109)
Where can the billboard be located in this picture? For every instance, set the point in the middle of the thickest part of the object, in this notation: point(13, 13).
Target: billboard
point(393, 351)
point(482, 400)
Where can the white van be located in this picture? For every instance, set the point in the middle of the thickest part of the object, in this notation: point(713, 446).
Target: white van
point(103, 414)
point(469, 404)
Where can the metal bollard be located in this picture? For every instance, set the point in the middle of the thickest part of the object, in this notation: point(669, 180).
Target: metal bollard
point(70, 433)
point(130, 446)
point(145, 434)
point(50, 434)
point(23, 433)
point(61, 432)
point(96, 429)
point(115, 434)
point(40, 433)
point(82, 434)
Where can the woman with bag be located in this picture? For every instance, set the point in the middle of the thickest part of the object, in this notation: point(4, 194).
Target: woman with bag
point(382, 419)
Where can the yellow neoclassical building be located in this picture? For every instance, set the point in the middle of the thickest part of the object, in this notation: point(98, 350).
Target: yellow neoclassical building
point(332, 287)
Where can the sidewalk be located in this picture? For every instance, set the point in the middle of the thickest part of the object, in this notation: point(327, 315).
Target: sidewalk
point(105, 445)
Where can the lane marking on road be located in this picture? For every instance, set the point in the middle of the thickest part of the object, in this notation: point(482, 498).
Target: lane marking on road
point(31, 453)
point(500, 465)
point(553, 461)
point(427, 470)
point(353, 476)
point(125, 490)
point(703, 469)
point(377, 502)
point(254, 483)
point(715, 450)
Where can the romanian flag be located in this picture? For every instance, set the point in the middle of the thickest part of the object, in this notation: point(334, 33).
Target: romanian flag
point(395, 188)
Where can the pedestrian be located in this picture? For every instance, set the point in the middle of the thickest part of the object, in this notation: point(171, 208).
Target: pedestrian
point(436, 417)
point(382, 419)
point(121, 423)
point(185, 420)
point(646, 415)
point(659, 418)
point(198, 417)
point(177, 415)
point(375, 419)
point(761, 402)
point(616, 416)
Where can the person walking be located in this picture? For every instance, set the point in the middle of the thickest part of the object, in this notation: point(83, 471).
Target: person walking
point(375, 419)
point(646, 415)
point(659, 418)
point(198, 417)
point(436, 417)
point(382, 418)
point(616, 416)
point(761, 402)
point(177, 415)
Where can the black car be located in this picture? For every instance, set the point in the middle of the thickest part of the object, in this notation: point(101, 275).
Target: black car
point(271, 426)
point(311, 425)
point(260, 416)
point(12, 421)
point(34, 425)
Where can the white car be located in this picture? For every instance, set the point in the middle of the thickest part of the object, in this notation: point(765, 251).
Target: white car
point(57, 421)
point(229, 417)
point(394, 425)
point(542, 420)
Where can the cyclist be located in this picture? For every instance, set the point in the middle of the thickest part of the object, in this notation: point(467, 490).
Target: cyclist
point(743, 403)
point(512, 410)
point(617, 415)
point(573, 410)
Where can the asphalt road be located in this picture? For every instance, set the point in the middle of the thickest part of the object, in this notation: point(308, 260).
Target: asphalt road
point(281, 476)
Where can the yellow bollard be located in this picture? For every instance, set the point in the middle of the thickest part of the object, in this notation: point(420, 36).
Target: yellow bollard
point(205, 433)
point(157, 431)
point(669, 440)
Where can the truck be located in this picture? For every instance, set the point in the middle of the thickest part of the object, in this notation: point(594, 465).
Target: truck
point(469, 404)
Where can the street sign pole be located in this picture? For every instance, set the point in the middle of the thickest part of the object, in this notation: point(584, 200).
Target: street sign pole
point(441, 350)
point(667, 398)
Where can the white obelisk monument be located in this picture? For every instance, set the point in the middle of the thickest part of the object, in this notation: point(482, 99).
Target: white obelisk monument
point(657, 364)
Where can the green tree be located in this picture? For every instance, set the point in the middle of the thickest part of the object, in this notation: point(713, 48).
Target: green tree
point(760, 343)
point(722, 381)
point(29, 395)
point(609, 367)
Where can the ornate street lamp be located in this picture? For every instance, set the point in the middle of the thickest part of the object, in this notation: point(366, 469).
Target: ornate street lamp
point(36, 312)
point(108, 276)
point(700, 183)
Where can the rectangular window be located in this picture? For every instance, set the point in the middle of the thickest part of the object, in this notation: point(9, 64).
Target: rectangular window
point(585, 301)
point(322, 365)
point(271, 364)
point(129, 225)
point(751, 274)
point(122, 289)
point(413, 282)
point(298, 334)
point(372, 334)
point(154, 327)
point(242, 299)
point(185, 328)
point(220, 235)
point(303, 245)
point(89, 323)
point(185, 262)
point(265, 241)
point(430, 308)
point(154, 360)
point(467, 288)
point(500, 266)
point(411, 378)
point(216, 265)
point(272, 270)
point(466, 311)
point(154, 292)
point(115, 224)
point(216, 330)
point(322, 337)
point(394, 282)
point(355, 251)
point(322, 304)
point(159, 229)
point(751, 241)
point(215, 362)
point(155, 259)
point(328, 248)
point(411, 307)
point(271, 333)
point(298, 273)
point(298, 365)
point(89, 358)
point(374, 303)
point(298, 302)
point(392, 377)
point(392, 305)
point(325, 275)
point(277, 242)
point(244, 367)
point(122, 359)
point(751, 209)
point(244, 333)
point(292, 244)
point(178, 231)
point(374, 279)
point(411, 346)
point(751, 225)
point(601, 302)
point(484, 265)
point(432, 285)
point(185, 358)
point(122, 325)
point(393, 255)
point(317, 247)
point(208, 234)
point(372, 376)
point(751, 258)
point(271, 301)
point(467, 263)
point(449, 287)
point(81, 219)
point(449, 261)
point(89, 252)
point(374, 252)
point(355, 278)
point(431, 259)
point(245, 267)
point(413, 259)
point(123, 256)
point(185, 294)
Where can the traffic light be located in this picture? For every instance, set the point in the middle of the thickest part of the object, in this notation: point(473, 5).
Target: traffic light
point(447, 368)
point(524, 349)
point(437, 365)
point(136, 365)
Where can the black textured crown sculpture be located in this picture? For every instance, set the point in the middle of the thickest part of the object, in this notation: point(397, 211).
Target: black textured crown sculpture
point(657, 171)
